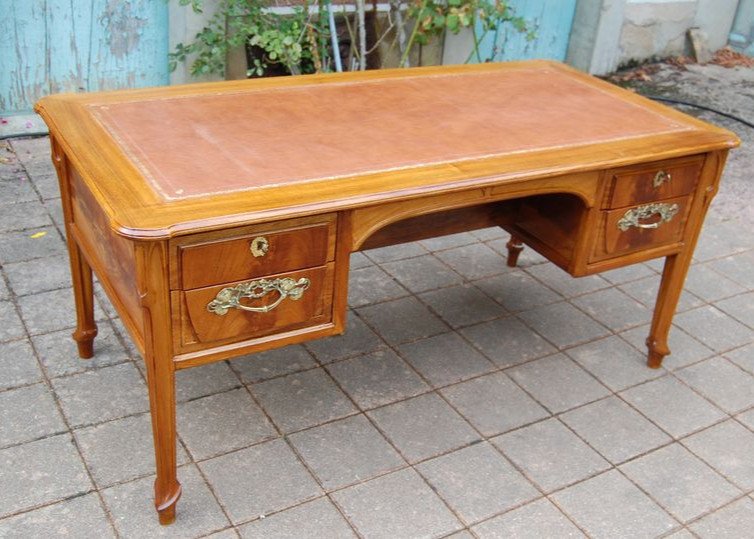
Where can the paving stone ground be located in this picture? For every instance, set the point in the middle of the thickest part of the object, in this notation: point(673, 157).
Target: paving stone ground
point(481, 402)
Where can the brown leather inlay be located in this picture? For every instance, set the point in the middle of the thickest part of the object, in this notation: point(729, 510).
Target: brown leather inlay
point(207, 144)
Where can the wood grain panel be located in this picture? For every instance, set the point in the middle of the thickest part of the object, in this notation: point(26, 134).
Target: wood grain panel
point(613, 242)
point(232, 260)
point(203, 326)
point(111, 256)
point(636, 185)
point(443, 223)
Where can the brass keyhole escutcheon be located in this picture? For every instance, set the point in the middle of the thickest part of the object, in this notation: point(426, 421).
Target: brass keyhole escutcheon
point(259, 246)
point(660, 178)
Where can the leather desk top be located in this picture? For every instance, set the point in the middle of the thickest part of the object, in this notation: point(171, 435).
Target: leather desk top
point(317, 139)
point(208, 144)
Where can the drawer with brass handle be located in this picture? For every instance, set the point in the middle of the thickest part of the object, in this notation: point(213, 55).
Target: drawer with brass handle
point(253, 252)
point(653, 182)
point(249, 309)
point(642, 226)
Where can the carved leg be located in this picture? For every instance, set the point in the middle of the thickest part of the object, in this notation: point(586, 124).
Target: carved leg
point(167, 489)
point(671, 286)
point(515, 246)
point(83, 293)
point(152, 262)
point(81, 273)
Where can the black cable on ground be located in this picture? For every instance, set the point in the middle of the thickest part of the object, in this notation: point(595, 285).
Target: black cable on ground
point(24, 135)
point(702, 107)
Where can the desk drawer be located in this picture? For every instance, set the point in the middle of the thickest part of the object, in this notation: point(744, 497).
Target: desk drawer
point(256, 252)
point(247, 309)
point(653, 182)
point(643, 226)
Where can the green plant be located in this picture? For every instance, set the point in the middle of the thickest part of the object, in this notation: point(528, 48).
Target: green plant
point(300, 41)
point(432, 17)
point(281, 39)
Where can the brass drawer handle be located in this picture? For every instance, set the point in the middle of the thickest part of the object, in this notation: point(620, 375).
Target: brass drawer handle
point(634, 216)
point(259, 246)
point(230, 298)
point(660, 178)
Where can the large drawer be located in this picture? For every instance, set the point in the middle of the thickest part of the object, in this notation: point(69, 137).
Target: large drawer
point(217, 258)
point(249, 309)
point(662, 180)
point(643, 226)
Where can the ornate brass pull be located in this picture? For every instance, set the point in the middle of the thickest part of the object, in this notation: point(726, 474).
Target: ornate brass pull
point(230, 298)
point(259, 246)
point(634, 216)
point(660, 178)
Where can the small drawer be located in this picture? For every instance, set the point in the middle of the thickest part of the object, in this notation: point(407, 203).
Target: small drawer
point(243, 310)
point(254, 254)
point(642, 226)
point(655, 181)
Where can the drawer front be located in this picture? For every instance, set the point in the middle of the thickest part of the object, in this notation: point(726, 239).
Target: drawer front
point(657, 181)
point(247, 309)
point(642, 226)
point(263, 252)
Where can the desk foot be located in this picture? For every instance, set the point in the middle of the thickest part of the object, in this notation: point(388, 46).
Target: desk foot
point(85, 341)
point(515, 246)
point(656, 353)
point(654, 360)
point(166, 509)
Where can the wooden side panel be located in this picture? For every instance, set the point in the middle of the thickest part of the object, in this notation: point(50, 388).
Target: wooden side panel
point(552, 225)
point(111, 256)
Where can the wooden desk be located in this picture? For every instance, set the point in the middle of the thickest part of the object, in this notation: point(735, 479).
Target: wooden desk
point(220, 217)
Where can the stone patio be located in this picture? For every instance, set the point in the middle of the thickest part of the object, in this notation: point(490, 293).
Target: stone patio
point(467, 399)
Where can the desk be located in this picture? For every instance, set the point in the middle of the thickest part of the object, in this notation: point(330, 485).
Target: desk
point(220, 217)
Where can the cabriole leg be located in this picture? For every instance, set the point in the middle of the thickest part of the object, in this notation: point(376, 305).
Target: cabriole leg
point(671, 286)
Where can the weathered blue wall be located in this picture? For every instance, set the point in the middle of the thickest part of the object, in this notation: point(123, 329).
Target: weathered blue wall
point(49, 46)
point(551, 21)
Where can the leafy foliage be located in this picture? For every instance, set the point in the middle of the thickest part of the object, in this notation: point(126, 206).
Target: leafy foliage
point(433, 17)
point(299, 41)
point(282, 39)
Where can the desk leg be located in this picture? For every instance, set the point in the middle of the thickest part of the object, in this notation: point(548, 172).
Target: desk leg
point(167, 489)
point(677, 266)
point(83, 294)
point(81, 273)
point(158, 358)
point(515, 246)
point(671, 286)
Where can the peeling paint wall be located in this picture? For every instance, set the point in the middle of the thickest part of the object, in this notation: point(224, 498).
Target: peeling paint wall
point(551, 21)
point(50, 46)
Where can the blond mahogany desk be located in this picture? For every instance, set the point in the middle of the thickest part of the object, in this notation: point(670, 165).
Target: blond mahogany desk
point(219, 218)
